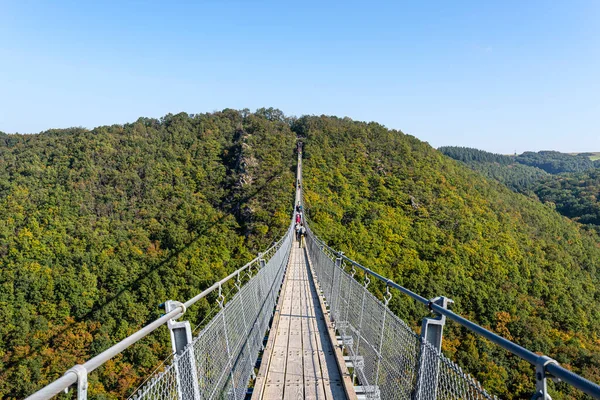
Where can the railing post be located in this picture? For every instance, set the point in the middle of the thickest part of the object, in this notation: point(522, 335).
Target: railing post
point(429, 364)
point(181, 337)
point(541, 386)
point(82, 382)
point(261, 260)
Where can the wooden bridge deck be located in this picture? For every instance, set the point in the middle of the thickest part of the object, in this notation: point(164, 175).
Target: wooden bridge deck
point(299, 361)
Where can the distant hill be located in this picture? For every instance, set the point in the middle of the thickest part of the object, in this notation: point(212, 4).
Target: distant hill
point(504, 169)
point(573, 194)
point(555, 162)
point(594, 156)
point(471, 155)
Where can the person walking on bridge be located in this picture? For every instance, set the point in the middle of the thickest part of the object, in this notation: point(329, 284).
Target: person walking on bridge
point(302, 232)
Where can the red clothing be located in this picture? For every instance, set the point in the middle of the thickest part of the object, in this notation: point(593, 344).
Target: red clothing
point(297, 218)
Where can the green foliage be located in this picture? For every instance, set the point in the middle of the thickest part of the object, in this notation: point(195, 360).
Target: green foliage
point(513, 265)
point(99, 227)
point(470, 155)
point(517, 177)
point(504, 169)
point(573, 195)
point(555, 162)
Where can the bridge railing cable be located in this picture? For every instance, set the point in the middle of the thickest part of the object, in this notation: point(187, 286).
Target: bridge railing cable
point(390, 360)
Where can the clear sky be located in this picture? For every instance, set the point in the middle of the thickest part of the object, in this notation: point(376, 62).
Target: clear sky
point(496, 75)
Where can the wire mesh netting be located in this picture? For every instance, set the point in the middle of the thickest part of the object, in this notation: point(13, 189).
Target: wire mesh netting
point(219, 362)
point(390, 360)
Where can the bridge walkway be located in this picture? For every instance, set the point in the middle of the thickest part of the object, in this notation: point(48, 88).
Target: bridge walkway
point(299, 360)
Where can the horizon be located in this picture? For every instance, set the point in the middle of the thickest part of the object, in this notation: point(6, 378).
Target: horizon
point(496, 77)
point(296, 116)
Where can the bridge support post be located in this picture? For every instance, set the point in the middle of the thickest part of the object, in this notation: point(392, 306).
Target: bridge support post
point(541, 387)
point(181, 337)
point(431, 346)
point(82, 382)
point(261, 261)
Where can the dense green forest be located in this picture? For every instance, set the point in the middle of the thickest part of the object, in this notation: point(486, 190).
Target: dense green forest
point(504, 169)
point(573, 194)
point(555, 162)
point(512, 264)
point(98, 227)
point(471, 155)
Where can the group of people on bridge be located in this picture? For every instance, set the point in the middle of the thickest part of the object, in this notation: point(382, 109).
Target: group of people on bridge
point(299, 228)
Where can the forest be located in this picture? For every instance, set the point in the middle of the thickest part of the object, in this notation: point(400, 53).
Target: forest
point(573, 194)
point(510, 263)
point(98, 227)
point(555, 162)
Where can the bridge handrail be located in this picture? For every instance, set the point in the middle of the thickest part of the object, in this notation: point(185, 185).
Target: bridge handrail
point(71, 376)
point(553, 368)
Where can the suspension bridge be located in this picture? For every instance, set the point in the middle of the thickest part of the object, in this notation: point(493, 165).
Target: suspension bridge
point(301, 325)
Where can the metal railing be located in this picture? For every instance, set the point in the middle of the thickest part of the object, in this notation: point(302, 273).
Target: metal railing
point(221, 356)
point(390, 360)
point(220, 361)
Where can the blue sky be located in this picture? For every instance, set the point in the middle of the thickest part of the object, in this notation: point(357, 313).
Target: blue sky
point(496, 75)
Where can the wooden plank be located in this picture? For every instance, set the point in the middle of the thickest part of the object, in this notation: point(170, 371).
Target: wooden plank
point(313, 382)
point(314, 385)
point(261, 376)
point(337, 381)
point(313, 378)
point(271, 385)
point(293, 392)
point(314, 390)
point(294, 374)
point(303, 361)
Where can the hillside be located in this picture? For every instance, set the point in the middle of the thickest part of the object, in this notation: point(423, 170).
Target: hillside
point(504, 169)
point(555, 162)
point(99, 227)
point(511, 263)
point(573, 194)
